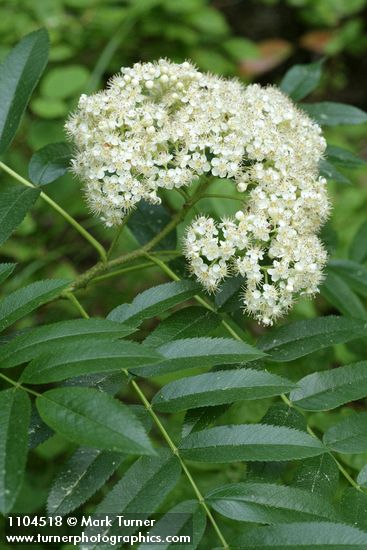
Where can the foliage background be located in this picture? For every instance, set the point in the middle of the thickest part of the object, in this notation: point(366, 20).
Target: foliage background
point(256, 40)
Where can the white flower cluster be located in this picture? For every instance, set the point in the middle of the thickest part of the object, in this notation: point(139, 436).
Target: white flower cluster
point(164, 125)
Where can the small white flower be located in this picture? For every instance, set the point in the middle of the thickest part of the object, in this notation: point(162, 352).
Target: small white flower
point(163, 125)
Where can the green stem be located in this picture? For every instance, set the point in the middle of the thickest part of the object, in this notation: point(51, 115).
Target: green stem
point(18, 386)
point(118, 235)
point(344, 472)
point(164, 267)
point(97, 245)
point(181, 192)
point(73, 299)
point(219, 196)
point(132, 268)
point(166, 253)
point(185, 469)
point(122, 271)
point(101, 267)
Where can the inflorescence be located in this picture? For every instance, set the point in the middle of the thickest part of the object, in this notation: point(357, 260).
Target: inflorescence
point(166, 125)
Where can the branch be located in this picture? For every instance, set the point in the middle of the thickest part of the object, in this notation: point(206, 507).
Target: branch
point(97, 245)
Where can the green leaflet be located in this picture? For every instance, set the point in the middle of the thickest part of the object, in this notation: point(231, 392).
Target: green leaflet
point(19, 74)
point(328, 171)
point(354, 274)
point(46, 338)
point(5, 271)
point(300, 80)
point(301, 338)
point(333, 114)
point(50, 163)
point(89, 357)
point(200, 352)
point(306, 536)
point(322, 391)
point(82, 475)
point(142, 414)
point(14, 204)
point(93, 419)
point(283, 415)
point(318, 474)
point(348, 436)
point(186, 518)
point(216, 388)
point(38, 431)
point(249, 442)
point(268, 503)
point(358, 247)
point(343, 157)
point(228, 296)
point(154, 301)
point(186, 323)
point(110, 383)
point(21, 302)
point(340, 295)
point(144, 486)
point(15, 409)
point(202, 417)
point(147, 221)
point(141, 490)
point(353, 508)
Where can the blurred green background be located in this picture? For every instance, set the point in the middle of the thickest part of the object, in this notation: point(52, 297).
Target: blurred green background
point(255, 40)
